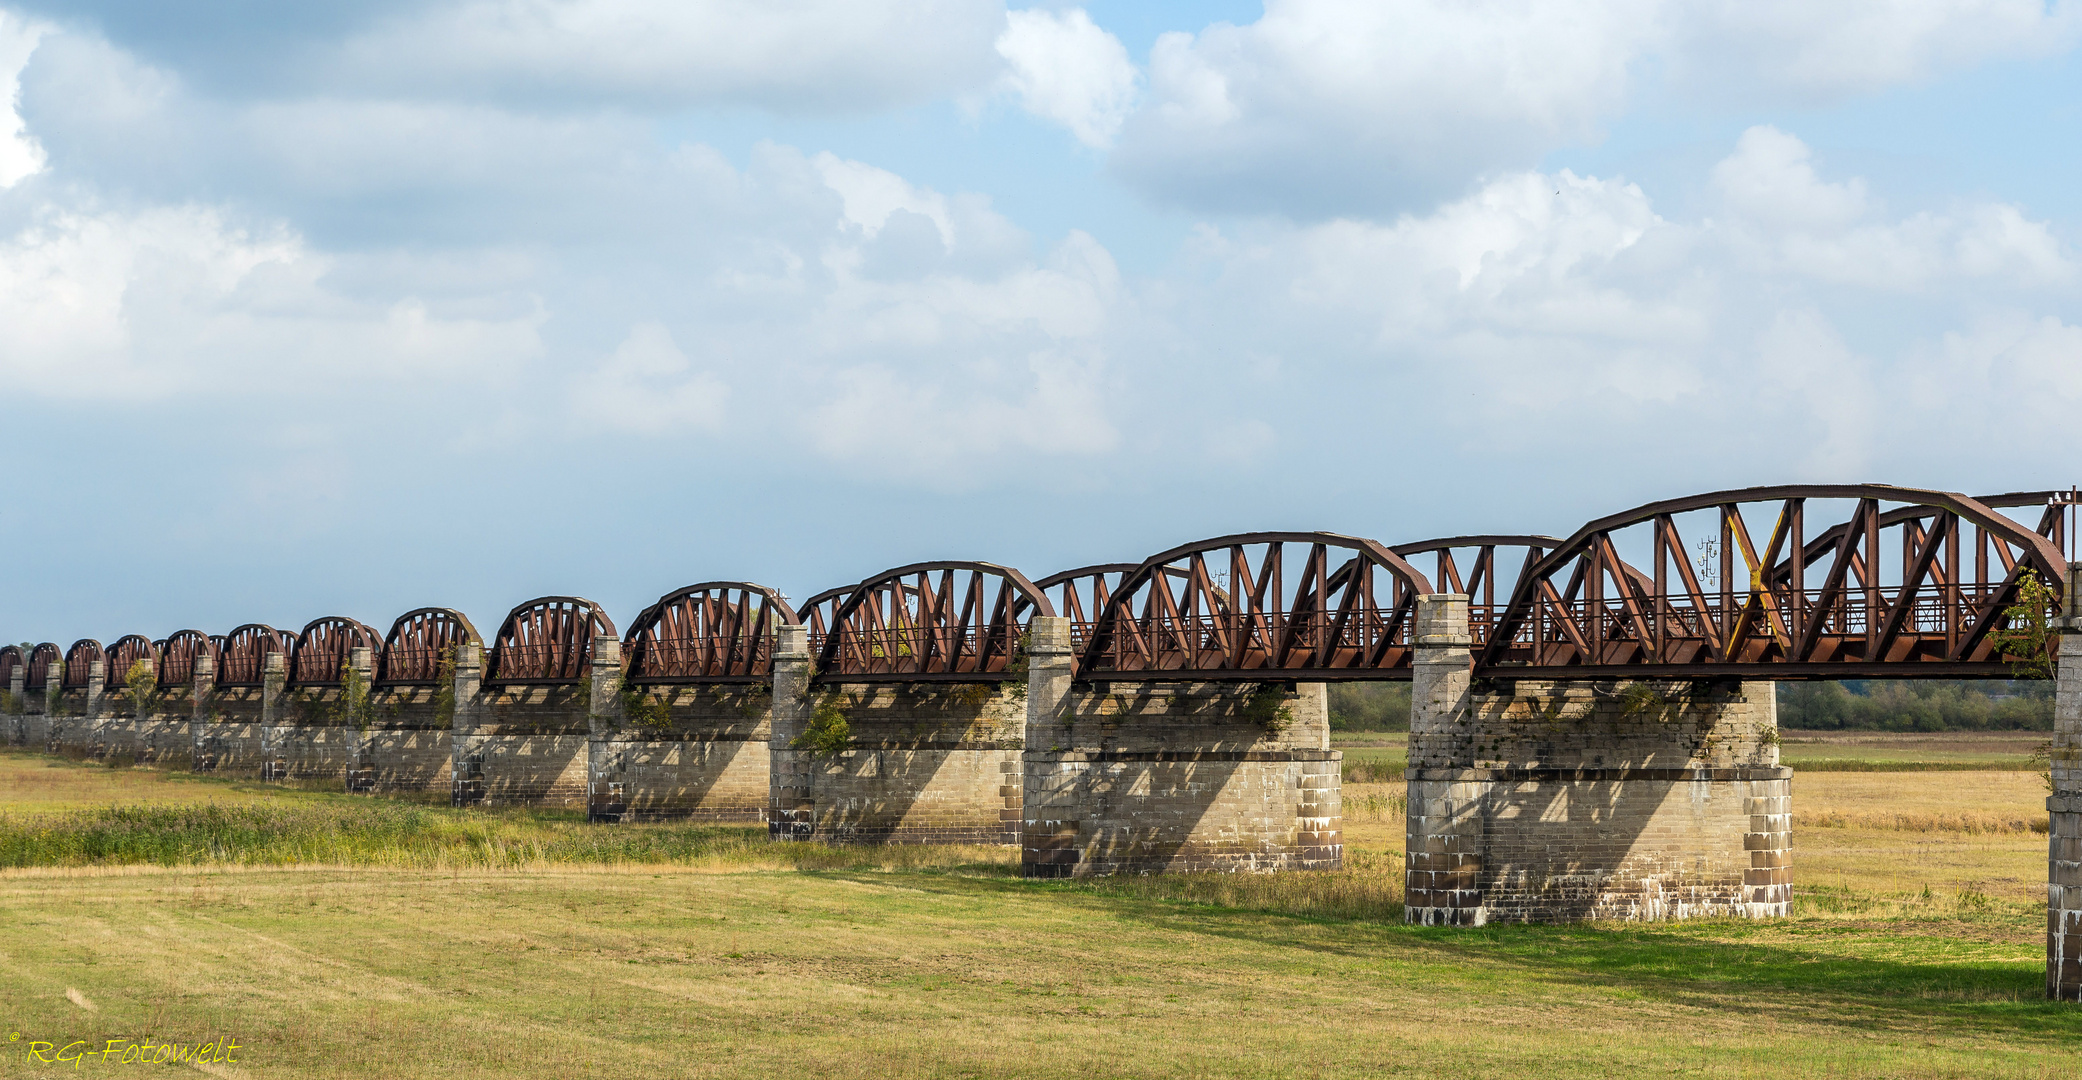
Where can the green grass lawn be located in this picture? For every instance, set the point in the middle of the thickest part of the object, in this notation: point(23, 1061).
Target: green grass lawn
point(679, 951)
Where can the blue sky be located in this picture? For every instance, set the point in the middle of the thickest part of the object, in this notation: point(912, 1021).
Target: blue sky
point(355, 308)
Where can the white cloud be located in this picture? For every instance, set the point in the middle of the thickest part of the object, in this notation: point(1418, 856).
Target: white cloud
point(648, 387)
point(1066, 70)
point(1324, 107)
point(1785, 218)
point(20, 154)
point(168, 301)
point(844, 55)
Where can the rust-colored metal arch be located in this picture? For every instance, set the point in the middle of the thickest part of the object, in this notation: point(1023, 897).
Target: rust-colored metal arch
point(321, 649)
point(1081, 594)
point(420, 644)
point(242, 654)
point(41, 659)
point(715, 631)
point(1337, 619)
point(177, 655)
point(547, 640)
point(904, 626)
point(85, 651)
point(126, 651)
point(1930, 622)
point(12, 660)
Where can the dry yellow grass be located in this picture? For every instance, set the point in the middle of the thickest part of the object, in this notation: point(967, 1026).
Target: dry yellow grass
point(1913, 953)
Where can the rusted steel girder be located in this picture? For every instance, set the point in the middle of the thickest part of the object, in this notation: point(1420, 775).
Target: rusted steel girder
point(321, 649)
point(420, 648)
point(1345, 612)
point(716, 631)
point(547, 640)
point(1894, 596)
point(12, 659)
point(83, 652)
point(1081, 594)
point(242, 654)
point(927, 622)
point(41, 660)
point(177, 655)
point(128, 650)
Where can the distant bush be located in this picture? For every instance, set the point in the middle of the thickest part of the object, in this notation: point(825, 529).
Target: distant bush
point(1370, 706)
point(1917, 705)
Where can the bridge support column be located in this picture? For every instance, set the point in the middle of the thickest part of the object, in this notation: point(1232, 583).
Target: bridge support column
point(274, 757)
point(18, 705)
point(791, 800)
point(606, 796)
point(1556, 801)
point(361, 749)
point(1171, 777)
point(94, 738)
point(53, 706)
point(2064, 808)
point(466, 753)
point(199, 734)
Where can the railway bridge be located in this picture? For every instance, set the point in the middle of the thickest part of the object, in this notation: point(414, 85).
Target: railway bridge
point(1593, 727)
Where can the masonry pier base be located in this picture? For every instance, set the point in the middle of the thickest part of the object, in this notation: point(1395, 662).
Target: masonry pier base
point(1557, 801)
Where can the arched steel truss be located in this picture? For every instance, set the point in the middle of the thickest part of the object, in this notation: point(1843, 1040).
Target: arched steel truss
point(1913, 591)
point(421, 646)
point(1907, 582)
point(927, 622)
point(1228, 608)
point(242, 654)
point(126, 651)
point(1081, 594)
point(42, 659)
point(177, 655)
point(323, 648)
point(716, 631)
point(85, 651)
point(547, 640)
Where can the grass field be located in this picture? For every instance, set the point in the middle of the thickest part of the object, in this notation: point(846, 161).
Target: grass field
point(408, 941)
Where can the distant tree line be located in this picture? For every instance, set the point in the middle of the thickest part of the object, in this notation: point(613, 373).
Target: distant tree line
point(1854, 705)
point(1917, 705)
point(1370, 706)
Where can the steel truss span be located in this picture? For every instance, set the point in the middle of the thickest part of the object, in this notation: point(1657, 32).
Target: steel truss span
point(547, 640)
point(1795, 582)
point(927, 622)
point(717, 631)
point(1259, 607)
point(1902, 582)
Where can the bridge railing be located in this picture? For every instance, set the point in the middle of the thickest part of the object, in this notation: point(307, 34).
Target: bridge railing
point(1950, 624)
point(1231, 645)
point(883, 651)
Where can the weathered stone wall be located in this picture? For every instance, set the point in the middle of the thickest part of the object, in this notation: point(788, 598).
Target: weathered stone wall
point(1142, 778)
point(1550, 801)
point(2064, 809)
point(928, 763)
point(521, 744)
point(706, 760)
point(407, 745)
point(1138, 777)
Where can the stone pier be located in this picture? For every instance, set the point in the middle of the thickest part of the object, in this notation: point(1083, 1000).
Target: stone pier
point(232, 721)
point(912, 762)
point(1165, 777)
point(1557, 801)
point(523, 743)
point(696, 753)
point(2064, 807)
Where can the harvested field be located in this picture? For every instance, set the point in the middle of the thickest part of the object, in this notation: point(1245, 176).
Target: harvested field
point(1915, 950)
